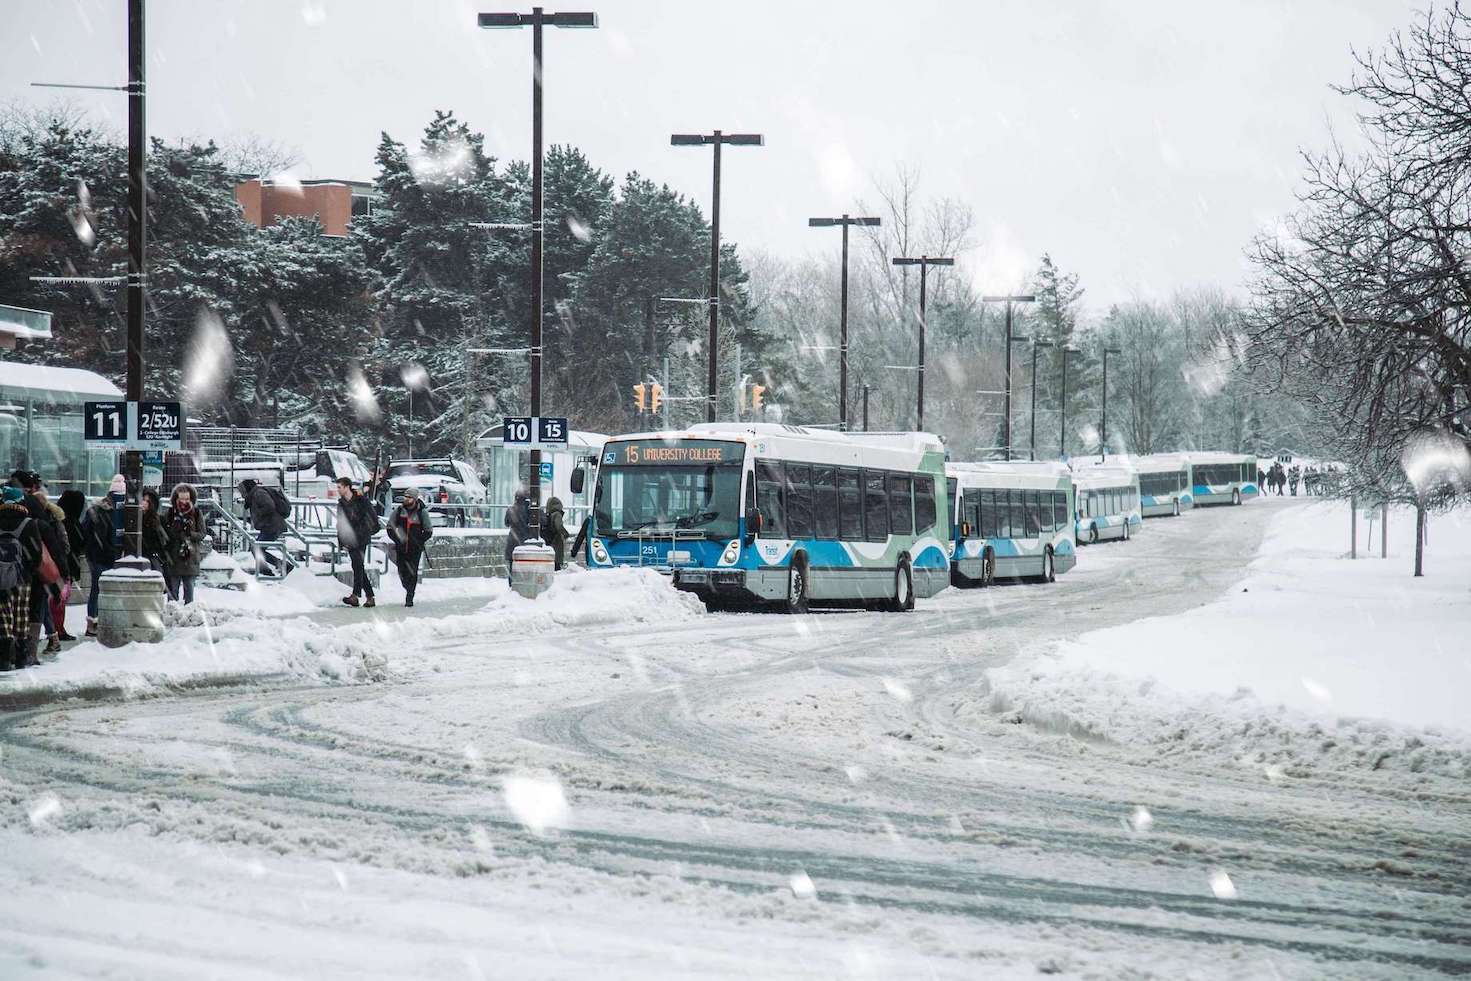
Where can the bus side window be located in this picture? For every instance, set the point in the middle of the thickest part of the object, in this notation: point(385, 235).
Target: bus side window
point(1033, 520)
point(970, 511)
point(769, 499)
point(850, 505)
point(952, 501)
point(825, 503)
point(1059, 510)
point(901, 504)
point(875, 506)
point(750, 495)
point(799, 500)
point(924, 503)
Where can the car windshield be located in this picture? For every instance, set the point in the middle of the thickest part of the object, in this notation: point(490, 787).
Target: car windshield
point(654, 500)
point(438, 468)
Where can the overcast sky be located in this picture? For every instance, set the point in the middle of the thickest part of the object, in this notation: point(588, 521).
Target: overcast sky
point(1139, 143)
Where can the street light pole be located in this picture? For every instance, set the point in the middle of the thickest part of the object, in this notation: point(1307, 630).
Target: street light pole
point(536, 20)
point(717, 139)
point(1062, 418)
point(1006, 415)
point(1035, 344)
point(865, 408)
point(137, 253)
point(1103, 426)
point(923, 262)
point(845, 221)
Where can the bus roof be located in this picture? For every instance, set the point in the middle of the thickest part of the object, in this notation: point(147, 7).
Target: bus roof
point(1017, 473)
point(1087, 464)
point(1103, 476)
point(897, 450)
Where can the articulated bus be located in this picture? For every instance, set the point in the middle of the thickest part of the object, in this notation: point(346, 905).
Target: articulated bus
point(1108, 502)
point(1164, 484)
point(1222, 478)
point(1010, 520)
point(764, 513)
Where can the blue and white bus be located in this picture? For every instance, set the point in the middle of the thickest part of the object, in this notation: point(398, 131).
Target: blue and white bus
point(764, 513)
point(1222, 478)
point(1011, 520)
point(1108, 502)
point(1164, 484)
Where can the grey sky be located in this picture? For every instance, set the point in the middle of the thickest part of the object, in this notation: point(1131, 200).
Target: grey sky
point(1140, 143)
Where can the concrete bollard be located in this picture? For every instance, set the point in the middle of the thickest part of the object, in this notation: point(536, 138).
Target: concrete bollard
point(532, 567)
point(130, 605)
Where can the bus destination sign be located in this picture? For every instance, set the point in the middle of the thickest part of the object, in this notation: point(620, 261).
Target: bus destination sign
point(685, 452)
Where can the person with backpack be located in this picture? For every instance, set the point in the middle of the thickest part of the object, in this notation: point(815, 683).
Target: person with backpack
point(20, 557)
point(554, 531)
point(47, 575)
point(70, 573)
point(267, 509)
point(357, 523)
point(410, 527)
point(185, 527)
point(518, 525)
point(102, 540)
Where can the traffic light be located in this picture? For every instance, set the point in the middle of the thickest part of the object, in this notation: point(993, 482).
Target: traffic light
point(656, 396)
point(758, 393)
point(638, 396)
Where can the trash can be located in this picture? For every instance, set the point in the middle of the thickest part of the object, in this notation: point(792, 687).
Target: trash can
point(532, 567)
point(129, 606)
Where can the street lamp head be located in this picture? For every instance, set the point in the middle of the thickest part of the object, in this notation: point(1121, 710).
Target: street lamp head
point(1112, 350)
point(1022, 298)
point(689, 139)
point(730, 139)
point(1069, 349)
point(1019, 338)
point(1041, 343)
point(570, 19)
point(823, 222)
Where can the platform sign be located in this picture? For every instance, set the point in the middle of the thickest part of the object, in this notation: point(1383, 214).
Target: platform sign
point(158, 426)
point(534, 432)
point(517, 430)
point(106, 424)
point(551, 432)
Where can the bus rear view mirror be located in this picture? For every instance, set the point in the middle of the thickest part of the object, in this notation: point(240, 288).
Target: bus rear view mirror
point(579, 477)
point(965, 529)
point(753, 526)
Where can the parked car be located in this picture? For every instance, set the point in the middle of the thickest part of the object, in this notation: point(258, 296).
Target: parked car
point(442, 481)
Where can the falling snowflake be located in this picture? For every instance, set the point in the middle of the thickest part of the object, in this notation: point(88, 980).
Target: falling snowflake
point(1140, 821)
point(1222, 886)
point(537, 801)
point(43, 810)
point(1316, 690)
point(898, 690)
point(802, 886)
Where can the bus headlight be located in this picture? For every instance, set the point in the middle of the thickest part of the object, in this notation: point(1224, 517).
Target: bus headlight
point(599, 553)
point(731, 553)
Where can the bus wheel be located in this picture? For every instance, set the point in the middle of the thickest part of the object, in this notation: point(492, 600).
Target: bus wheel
point(903, 600)
point(1177, 507)
point(1049, 573)
point(1235, 496)
point(796, 587)
point(988, 568)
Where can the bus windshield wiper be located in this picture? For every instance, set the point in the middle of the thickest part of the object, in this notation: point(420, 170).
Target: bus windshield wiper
point(634, 529)
point(689, 521)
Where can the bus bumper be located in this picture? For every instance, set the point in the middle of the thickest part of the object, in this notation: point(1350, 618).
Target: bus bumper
point(735, 584)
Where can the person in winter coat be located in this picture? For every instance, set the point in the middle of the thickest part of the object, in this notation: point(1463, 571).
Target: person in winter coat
point(1294, 476)
point(410, 527)
point(70, 571)
point(264, 513)
point(53, 541)
point(20, 557)
point(518, 521)
point(185, 527)
point(102, 540)
point(155, 538)
point(554, 530)
point(357, 523)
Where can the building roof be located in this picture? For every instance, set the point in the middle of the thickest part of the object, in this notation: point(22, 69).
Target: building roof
point(25, 324)
point(49, 378)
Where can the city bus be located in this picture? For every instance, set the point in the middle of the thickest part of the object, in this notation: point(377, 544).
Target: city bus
point(761, 513)
point(1222, 478)
point(1164, 484)
point(1107, 502)
point(1010, 520)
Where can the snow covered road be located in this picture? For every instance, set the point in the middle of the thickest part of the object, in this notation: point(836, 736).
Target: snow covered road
point(831, 795)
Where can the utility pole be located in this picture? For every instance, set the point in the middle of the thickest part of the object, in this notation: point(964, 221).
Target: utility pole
point(1010, 337)
point(1103, 427)
point(137, 254)
point(536, 20)
point(1062, 417)
point(845, 221)
point(1035, 344)
point(865, 408)
point(923, 262)
point(716, 140)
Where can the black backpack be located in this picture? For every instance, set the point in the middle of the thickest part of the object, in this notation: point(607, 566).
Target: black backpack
point(13, 557)
point(278, 498)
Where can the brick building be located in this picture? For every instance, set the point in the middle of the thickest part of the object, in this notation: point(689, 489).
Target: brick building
point(333, 203)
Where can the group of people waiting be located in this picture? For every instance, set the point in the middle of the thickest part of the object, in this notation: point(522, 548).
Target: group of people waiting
point(1312, 479)
point(45, 544)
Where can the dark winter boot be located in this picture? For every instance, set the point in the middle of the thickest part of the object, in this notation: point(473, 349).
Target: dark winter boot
point(351, 600)
point(27, 649)
point(369, 603)
point(7, 653)
point(409, 598)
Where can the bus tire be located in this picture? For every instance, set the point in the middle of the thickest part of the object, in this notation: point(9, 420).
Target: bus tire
point(1049, 569)
point(1235, 496)
point(903, 600)
point(797, 586)
point(1177, 507)
point(988, 568)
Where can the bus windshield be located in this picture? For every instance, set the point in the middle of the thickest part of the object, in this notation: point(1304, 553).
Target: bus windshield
point(654, 500)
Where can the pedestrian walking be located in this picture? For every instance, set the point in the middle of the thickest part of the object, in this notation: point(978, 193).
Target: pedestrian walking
point(185, 526)
point(554, 531)
point(70, 572)
point(102, 540)
point(410, 527)
point(267, 509)
point(20, 558)
point(518, 525)
point(155, 538)
point(357, 523)
point(46, 575)
point(1294, 476)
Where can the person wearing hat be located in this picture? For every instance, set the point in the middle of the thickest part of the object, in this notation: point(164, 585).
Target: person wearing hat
point(410, 527)
point(102, 539)
point(20, 557)
point(357, 523)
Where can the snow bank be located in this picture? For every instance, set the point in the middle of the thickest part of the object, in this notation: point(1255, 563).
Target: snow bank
point(1313, 663)
point(217, 645)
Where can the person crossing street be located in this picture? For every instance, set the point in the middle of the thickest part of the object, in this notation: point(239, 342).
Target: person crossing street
point(410, 527)
point(357, 523)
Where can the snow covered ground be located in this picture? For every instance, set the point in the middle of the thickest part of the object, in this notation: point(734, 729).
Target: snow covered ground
point(1312, 662)
point(636, 789)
